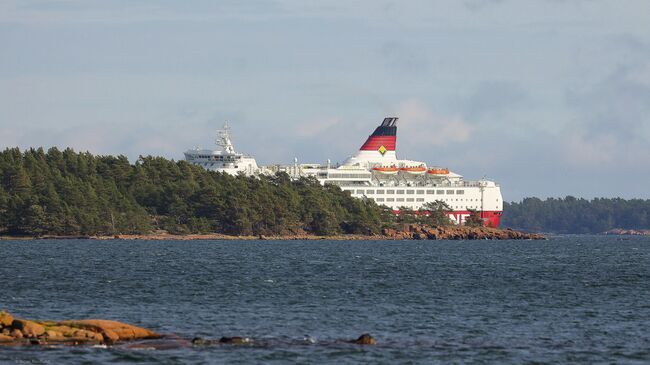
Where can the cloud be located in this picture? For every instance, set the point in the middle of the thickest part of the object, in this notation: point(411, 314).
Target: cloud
point(613, 119)
point(479, 85)
point(311, 129)
point(122, 12)
point(621, 99)
point(408, 59)
point(495, 97)
point(581, 151)
point(420, 125)
point(475, 5)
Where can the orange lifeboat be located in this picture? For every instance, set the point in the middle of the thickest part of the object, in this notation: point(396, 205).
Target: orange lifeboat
point(386, 170)
point(438, 171)
point(414, 170)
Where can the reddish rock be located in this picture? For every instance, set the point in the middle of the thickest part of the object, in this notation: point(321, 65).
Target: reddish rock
point(123, 331)
point(28, 328)
point(6, 319)
point(365, 339)
point(74, 332)
point(53, 335)
point(110, 336)
point(633, 232)
point(5, 338)
point(418, 232)
point(16, 334)
point(77, 336)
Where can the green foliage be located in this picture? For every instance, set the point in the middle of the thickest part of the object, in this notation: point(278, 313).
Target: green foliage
point(572, 215)
point(433, 213)
point(68, 193)
point(438, 213)
point(474, 219)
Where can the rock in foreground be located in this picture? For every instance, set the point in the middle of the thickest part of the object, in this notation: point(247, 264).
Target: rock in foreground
point(71, 332)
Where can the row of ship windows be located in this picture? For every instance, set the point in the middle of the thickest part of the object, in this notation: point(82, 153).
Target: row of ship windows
point(398, 199)
point(212, 165)
point(413, 200)
point(227, 158)
point(345, 176)
point(410, 200)
point(410, 192)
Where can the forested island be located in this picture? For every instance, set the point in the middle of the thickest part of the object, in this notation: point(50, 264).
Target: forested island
point(575, 215)
point(68, 193)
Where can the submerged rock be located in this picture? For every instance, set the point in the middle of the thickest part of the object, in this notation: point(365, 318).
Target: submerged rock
point(198, 341)
point(365, 339)
point(235, 340)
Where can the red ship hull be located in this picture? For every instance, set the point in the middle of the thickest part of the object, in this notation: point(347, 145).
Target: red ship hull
point(490, 218)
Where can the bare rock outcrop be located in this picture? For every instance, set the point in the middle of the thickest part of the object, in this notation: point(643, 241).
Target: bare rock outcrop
point(6, 319)
point(29, 329)
point(117, 331)
point(73, 332)
point(6, 338)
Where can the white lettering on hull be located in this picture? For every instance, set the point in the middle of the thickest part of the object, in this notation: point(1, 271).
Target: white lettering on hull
point(458, 218)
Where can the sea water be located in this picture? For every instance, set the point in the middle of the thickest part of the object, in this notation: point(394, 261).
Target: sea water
point(569, 299)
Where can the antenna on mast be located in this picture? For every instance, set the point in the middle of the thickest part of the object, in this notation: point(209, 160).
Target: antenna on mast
point(223, 139)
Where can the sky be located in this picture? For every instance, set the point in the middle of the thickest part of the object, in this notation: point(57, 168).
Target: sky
point(547, 97)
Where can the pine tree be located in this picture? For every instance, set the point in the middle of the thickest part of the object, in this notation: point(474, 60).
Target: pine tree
point(438, 213)
point(474, 219)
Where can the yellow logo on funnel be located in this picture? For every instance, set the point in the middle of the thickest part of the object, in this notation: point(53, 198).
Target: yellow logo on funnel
point(382, 150)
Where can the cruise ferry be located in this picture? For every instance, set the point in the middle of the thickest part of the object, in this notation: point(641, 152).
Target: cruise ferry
point(224, 160)
point(375, 173)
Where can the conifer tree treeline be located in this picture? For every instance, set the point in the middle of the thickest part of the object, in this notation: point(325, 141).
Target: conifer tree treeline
point(69, 193)
point(573, 215)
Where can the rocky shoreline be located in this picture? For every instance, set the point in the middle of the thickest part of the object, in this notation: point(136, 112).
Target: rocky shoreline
point(100, 332)
point(424, 232)
point(627, 232)
point(16, 331)
point(406, 232)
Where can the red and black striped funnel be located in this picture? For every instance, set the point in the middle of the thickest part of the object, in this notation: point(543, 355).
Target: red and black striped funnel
point(384, 138)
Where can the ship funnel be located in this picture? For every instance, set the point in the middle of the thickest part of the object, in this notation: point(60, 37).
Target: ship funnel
point(379, 148)
point(384, 138)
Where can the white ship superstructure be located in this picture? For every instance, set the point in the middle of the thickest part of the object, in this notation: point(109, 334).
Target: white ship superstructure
point(376, 173)
point(224, 160)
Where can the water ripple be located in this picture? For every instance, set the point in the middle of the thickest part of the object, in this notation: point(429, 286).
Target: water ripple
point(573, 299)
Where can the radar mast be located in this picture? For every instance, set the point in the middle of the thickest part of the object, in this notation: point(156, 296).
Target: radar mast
point(223, 139)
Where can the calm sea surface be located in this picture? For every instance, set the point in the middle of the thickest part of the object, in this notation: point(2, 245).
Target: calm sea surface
point(571, 299)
